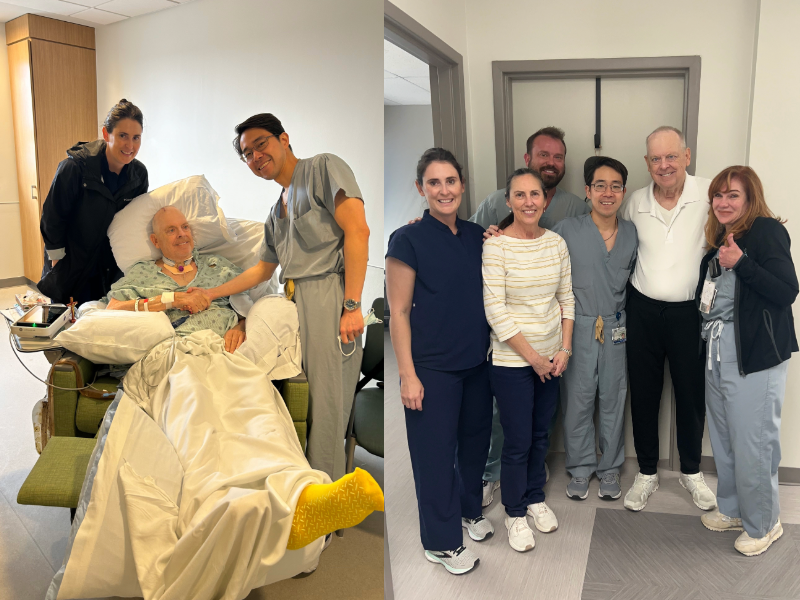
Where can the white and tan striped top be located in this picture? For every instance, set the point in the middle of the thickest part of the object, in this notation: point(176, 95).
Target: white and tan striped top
point(527, 287)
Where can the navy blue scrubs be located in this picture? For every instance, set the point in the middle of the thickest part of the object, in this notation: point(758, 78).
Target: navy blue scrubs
point(448, 439)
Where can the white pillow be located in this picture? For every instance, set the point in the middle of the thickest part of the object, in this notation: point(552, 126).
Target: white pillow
point(245, 252)
point(130, 230)
point(118, 337)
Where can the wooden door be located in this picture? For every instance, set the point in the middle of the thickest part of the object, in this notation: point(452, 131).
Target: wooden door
point(19, 64)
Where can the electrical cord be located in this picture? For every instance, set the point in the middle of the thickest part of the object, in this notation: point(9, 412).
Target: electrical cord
point(47, 383)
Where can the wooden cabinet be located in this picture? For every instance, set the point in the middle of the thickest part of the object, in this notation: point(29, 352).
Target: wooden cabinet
point(54, 102)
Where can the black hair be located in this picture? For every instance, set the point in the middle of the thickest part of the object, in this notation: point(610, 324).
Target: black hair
point(122, 110)
point(518, 173)
point(595, 162)
point(266, 121)
point(433, 155)
point(550, 131)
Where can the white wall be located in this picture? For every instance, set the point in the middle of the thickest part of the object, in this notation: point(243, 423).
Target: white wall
point(407, 133)
point(199, 69)
point(720, 31)
point(10, 232)
point(773, 154)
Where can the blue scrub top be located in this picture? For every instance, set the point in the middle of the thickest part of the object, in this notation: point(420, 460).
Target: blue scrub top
point(449, 331)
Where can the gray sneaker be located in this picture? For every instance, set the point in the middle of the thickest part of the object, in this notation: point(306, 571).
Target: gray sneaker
point(479, 528)
point(609, 487)
point(578, 488)
point(457, 562)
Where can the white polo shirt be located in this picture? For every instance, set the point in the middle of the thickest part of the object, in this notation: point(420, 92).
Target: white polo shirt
point(668, 262)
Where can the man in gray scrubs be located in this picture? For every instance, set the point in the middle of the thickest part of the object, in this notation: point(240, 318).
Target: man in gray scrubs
point(546, 154)
point(602, 252)
point(317, 232)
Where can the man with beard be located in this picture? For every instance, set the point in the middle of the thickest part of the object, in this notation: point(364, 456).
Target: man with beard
point(546, 154)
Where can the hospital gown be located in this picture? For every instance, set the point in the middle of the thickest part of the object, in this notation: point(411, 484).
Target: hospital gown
point(146, 280)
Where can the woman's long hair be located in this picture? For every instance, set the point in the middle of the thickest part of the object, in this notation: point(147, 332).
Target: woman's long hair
point(756, 204)
point(519, 173)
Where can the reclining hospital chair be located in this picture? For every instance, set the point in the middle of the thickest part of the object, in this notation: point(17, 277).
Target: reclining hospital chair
point(71, 420)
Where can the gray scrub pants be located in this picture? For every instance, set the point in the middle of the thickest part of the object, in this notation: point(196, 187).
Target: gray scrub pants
point(744, 423)
point(332, 377)
point(593, 368)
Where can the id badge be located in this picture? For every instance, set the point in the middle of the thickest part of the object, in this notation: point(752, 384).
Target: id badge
point(618, 335)
point(708, 296)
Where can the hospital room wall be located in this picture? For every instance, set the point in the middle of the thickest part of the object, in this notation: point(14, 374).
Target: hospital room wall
point(198, 69)
point(774, 136)
point(10, 233)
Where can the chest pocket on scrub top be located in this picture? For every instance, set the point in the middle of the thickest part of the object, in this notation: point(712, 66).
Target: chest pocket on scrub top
point(582, 276)
point(314, 228)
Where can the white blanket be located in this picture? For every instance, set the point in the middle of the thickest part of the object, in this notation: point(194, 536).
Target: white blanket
point(196, 486)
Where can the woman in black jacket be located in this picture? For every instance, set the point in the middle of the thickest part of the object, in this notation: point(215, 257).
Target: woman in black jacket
point(94, 182)
point(745, 294)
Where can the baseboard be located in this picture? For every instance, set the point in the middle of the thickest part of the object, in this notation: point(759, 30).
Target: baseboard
point(15, 281)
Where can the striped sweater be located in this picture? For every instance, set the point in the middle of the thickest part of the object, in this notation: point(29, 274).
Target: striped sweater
point(527, 287)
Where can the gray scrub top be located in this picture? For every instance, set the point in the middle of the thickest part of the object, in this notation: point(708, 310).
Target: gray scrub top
point(599, 277)
point(309, 241)
point(494, 209)
point(722, 309)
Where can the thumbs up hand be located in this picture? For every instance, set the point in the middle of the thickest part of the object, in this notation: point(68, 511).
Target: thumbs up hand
point(730, 254)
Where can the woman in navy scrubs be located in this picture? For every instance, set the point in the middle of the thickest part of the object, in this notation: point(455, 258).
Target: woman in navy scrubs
point(441, 338)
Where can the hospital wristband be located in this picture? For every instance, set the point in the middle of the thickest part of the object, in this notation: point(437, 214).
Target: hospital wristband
point(146, 307)
point(167, 298)
point(136, 305)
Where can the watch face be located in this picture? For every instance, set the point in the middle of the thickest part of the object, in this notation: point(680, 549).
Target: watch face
point(351, 304)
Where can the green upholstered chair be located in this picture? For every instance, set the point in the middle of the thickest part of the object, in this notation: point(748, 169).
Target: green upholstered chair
point(366, 417)
point(72, 420)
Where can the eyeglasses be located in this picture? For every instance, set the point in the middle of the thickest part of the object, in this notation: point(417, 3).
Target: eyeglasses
point(670, 158)
point(259, 146)
point(601, 187)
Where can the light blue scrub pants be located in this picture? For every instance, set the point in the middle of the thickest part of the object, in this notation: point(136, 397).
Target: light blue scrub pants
point(744, 423)
point(593, 368)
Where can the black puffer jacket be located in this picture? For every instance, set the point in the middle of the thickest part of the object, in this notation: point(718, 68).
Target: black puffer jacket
point(76, 215)
point(766, 287)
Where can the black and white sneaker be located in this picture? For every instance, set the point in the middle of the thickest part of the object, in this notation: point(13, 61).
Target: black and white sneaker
point(458, 561)
point(479, 529)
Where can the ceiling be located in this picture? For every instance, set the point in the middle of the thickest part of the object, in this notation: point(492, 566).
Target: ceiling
point(84, 12)
point(406, 79)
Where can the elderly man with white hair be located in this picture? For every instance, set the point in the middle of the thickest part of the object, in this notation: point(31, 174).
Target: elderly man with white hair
point(160, 285)
point(670, 216)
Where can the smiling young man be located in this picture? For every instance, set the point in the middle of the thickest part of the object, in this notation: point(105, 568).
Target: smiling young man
point(546, 153)
point(317, 231)
point(602, 252)
point(670, 217)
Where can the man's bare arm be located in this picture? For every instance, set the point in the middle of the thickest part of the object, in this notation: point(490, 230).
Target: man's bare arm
point(352, 218)
point(247, 280)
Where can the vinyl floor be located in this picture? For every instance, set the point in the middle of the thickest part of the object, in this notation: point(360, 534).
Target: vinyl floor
point(599, 552)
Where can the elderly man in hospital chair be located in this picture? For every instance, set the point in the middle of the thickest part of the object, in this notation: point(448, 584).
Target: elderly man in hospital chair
point(160, 285)
point(198, 471)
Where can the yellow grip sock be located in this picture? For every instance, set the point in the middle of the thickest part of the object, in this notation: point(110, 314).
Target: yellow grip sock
point(323, 508)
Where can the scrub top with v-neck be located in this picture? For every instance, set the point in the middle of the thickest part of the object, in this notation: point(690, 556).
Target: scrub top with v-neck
point(449, 331)
point(599, 277)
point(308, 241)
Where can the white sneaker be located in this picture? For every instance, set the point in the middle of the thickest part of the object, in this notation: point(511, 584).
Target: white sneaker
point(520, 535)
point(478, 528)
point(703, 497)
point(643, 486)
point(753, 547)
point(488, 492)
point(716, 521)
point(458, 561)
point(544, 518)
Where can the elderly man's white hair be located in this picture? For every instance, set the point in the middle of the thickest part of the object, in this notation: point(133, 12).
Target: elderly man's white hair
point(157, 217)
point(662, 129)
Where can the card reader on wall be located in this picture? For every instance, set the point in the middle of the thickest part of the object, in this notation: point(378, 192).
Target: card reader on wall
point(43, 321)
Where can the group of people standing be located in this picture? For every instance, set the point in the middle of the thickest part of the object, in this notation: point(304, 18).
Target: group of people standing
point(544, 297)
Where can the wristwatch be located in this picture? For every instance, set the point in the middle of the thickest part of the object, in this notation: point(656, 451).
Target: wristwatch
point(567, 352)
point(351, 305)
